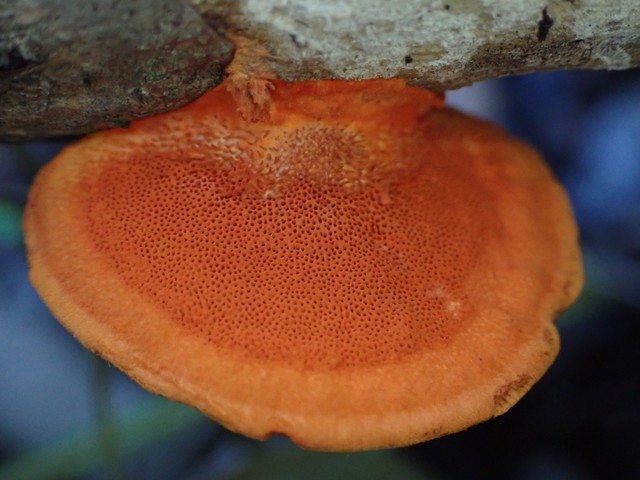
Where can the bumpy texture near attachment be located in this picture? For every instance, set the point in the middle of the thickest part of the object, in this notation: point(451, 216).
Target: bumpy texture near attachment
point(359, 268)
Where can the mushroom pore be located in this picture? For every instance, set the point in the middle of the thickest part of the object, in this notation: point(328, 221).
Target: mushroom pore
point(360, 268)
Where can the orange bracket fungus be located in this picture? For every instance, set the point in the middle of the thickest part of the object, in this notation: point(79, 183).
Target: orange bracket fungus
point(357, 267)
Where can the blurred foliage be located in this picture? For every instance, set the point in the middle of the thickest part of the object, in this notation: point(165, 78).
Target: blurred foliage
point(10, 224)
point(83, 452)
point(301, 464)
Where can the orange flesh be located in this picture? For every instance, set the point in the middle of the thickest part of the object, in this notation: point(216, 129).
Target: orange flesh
point(354, 234)
point(322, 270)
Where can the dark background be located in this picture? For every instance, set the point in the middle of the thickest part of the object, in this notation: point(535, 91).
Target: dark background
point(66, 414)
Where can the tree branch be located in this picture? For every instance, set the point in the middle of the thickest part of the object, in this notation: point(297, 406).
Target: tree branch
point(73, 67)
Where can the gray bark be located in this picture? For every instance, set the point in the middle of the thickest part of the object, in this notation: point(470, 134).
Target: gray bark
point(68, 68)
point(439, 44)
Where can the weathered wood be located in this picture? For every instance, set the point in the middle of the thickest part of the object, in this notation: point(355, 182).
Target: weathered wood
point(73, 67)
point(439, 44)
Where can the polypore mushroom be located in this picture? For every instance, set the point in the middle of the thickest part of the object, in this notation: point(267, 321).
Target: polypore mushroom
point(360, 268)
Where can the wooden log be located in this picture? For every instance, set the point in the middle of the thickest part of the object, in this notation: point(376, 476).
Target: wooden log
point(72, 67)
point(68, 68)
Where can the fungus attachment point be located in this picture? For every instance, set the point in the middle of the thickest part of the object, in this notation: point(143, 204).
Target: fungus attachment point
point(362, 268)
point(249, 78)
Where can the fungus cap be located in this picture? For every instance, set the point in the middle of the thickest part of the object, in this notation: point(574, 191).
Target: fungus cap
point(361, 269)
